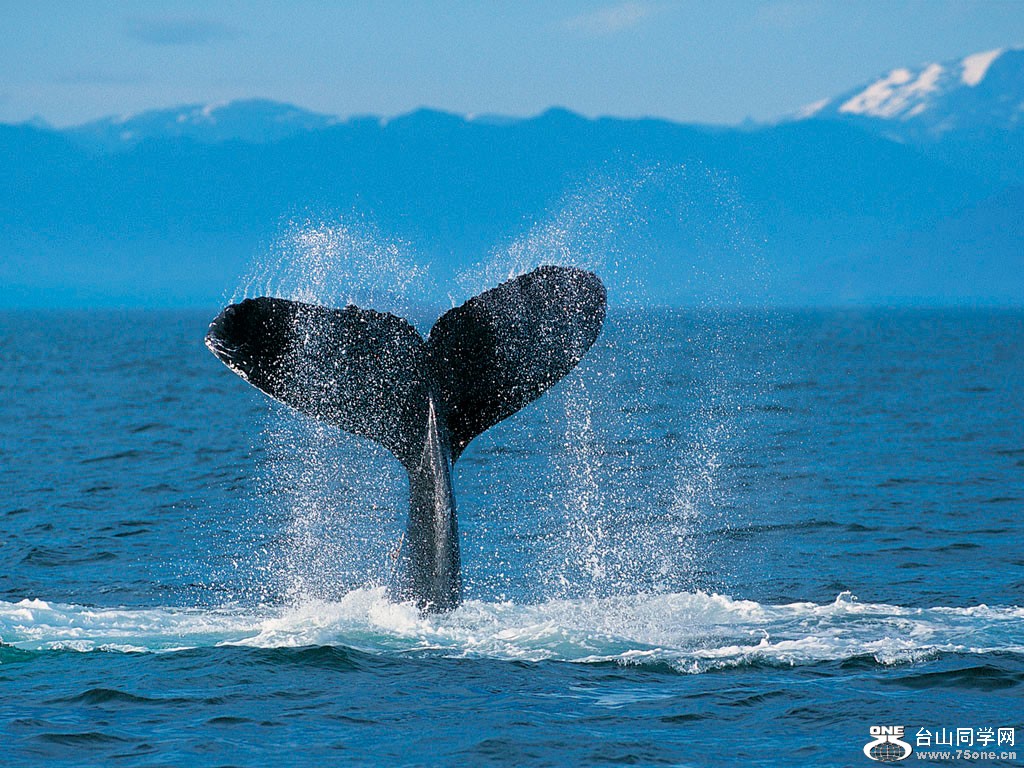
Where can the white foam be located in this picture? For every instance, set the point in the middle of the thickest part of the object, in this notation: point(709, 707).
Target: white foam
point(692, 632)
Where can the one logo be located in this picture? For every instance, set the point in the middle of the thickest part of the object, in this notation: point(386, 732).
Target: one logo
point(887, 745)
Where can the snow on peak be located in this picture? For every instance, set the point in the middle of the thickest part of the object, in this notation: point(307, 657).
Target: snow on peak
point(248, 120)
point(898, 93)
point(811, 109)
point(206, 113)
point(976, 65)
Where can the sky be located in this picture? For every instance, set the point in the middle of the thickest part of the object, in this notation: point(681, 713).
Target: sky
point(714, 61)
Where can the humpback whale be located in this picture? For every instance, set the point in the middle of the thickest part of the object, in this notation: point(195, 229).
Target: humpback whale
point(372, 374)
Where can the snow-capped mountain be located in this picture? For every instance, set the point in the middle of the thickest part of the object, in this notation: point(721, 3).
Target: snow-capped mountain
point(967, 112)
point(255, 121)
point(907, 189)
point(938, 98)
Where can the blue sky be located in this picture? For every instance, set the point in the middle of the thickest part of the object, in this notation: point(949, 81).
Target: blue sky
point(713, 62)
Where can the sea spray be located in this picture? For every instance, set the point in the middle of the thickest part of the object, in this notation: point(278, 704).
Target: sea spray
point(339, 262)
point(596, 533)
point(688, 632)
point(589, 528)
point(344, 498)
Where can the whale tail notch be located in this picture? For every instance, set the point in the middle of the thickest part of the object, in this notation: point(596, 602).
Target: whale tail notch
point(372, 374)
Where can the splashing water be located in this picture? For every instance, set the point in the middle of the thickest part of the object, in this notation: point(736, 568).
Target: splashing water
point(343, 496)
point(592, 225)
point(601, 533)
point(339, 263)
point(689, 632)
point(591, 529)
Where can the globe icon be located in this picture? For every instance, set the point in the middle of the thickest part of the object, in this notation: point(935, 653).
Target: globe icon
point(887, 752)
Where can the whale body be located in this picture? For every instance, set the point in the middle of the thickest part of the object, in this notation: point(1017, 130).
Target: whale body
point(373, 375)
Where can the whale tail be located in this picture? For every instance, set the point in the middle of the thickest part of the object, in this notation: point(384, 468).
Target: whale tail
point(371, 374)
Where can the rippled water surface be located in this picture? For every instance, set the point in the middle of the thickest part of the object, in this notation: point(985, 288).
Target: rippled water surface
point(726, 539)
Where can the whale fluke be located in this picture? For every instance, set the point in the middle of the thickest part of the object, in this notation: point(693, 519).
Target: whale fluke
point(372, 374)
point(503, 349)
point(354, 368)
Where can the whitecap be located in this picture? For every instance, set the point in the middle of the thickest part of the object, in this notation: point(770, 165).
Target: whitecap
point(689, 631)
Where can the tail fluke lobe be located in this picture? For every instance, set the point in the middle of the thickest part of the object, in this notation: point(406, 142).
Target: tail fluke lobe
point(503, 349)
point(355, 368)
point(373, 375)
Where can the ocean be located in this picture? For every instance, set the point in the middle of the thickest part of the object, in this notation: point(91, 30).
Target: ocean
point(727, 538)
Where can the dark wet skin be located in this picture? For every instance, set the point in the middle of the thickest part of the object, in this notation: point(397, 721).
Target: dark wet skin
point(371, 374)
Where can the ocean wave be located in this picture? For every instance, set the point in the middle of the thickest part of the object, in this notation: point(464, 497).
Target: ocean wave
point(690, 632)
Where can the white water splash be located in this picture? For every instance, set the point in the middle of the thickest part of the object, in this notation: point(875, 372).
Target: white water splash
point(590, 229)
point(600, 536)
point(637, 226)
point(345, 498)
point(341, 496)
point(345, 501)
point(691, 632)
point(337, 263)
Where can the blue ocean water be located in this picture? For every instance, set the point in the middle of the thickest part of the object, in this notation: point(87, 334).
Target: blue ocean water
point(727, 538)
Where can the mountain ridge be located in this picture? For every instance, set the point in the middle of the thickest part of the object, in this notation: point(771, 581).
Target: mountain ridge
point(821, 210)
point(967, 112)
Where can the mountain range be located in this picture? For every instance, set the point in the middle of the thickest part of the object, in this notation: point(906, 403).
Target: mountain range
point(968, 112)
point(906, 190)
